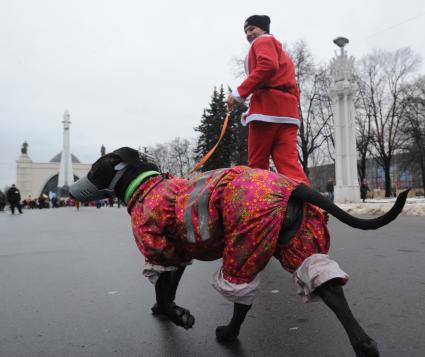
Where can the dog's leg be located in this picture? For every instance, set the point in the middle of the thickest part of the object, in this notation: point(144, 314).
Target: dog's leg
point(165, 289)
point(231, 331)
point(333, 295)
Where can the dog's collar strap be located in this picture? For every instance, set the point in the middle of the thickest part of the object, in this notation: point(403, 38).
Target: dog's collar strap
point(137, 199)
point(136, 182)
point(120, 168)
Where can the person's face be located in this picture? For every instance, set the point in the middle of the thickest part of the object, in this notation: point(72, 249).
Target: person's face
point(252, 32)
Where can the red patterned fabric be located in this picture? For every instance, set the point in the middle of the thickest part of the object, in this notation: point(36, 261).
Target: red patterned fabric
point(311, 238)
point(234, 213)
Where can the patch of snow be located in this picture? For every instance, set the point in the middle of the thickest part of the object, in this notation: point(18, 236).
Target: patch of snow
point(414, 206)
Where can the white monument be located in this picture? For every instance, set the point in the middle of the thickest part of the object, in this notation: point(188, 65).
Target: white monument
point(66, 175)
point(35, 178)
point(342, 91)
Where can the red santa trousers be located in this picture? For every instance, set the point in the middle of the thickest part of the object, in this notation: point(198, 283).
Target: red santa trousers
point(279, 141)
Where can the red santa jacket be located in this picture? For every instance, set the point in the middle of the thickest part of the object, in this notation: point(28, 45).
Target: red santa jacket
point(271, 81)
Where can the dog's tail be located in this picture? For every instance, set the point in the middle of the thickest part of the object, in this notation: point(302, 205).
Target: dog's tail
point(307, 194)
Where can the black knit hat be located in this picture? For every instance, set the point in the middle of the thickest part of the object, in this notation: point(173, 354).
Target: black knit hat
point(261, 21)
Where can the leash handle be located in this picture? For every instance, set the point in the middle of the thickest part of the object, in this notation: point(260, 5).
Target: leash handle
point(209, 153)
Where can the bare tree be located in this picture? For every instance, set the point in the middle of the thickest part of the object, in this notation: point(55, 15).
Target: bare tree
point(161, 156)
point(383, 75)
point(175, 156)
point(315, 104)
point(181, 155)
point(364, 111)
point(415, 128)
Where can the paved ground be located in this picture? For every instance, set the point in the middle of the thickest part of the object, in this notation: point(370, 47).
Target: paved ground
point(71, 285)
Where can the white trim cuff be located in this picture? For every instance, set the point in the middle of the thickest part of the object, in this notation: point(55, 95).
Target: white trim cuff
point(241, 293)
point(269, 119)
point(153, 272)
point(237, 97)
point(316, 270)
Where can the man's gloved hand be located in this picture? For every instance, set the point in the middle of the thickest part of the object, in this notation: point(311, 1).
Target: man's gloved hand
point(230, 102)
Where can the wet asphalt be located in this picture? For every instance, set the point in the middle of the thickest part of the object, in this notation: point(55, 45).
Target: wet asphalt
point(71, 285)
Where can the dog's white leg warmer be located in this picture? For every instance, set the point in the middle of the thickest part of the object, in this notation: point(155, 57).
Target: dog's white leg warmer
point(316, 270)
point(153, 272)
point(239, 293)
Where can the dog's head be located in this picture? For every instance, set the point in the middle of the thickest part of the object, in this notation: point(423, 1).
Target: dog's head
point(111, 174)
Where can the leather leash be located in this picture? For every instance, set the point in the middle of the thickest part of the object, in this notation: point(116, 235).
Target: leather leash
point(209, 153)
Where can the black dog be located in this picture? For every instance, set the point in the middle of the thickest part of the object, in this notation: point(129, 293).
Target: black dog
point(115, 174)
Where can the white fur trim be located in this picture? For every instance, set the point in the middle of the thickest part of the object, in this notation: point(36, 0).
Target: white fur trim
point(270, 119)
point(153, 272)
point(313, 272)
point(237, 97)
point(241, 293)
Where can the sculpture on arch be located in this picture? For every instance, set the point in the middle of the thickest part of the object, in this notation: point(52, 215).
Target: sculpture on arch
point(24, 148)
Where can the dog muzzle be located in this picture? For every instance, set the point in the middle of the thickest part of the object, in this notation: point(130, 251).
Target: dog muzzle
point(84, 190)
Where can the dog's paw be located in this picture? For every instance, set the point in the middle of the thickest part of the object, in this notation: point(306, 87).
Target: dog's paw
point(156, 310)
point(176, 314)
point(367, 348)
point(182, 317)
point(226, 334)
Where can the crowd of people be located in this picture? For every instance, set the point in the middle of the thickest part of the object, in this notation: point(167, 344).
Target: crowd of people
point(12, 197)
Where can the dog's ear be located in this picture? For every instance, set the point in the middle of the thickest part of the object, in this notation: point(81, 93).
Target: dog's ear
point(130, 156)
point(136, 159)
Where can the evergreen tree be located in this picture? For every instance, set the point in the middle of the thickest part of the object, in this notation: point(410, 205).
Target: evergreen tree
point(240, 134)
point(210, 129)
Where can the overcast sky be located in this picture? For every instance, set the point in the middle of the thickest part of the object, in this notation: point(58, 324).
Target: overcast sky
point(138, 73)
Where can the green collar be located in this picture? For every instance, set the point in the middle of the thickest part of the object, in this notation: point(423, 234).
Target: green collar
point(136, 182)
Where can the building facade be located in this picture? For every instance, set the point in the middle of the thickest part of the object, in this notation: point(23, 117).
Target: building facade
point(36, 178)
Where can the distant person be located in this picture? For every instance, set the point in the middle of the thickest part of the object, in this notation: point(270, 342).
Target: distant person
point(2, 201)
point(14, 199)
point(394, 190)
point(330, 189)
point(53, 199)
point(42, 201)
point(273, 116)
point(364, 188)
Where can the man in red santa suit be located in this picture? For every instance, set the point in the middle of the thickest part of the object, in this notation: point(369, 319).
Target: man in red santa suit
point(273, 115)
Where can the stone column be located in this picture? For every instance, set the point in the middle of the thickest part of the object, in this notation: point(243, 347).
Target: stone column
point(66, 175)
point(342, 91)
point(24, 173)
